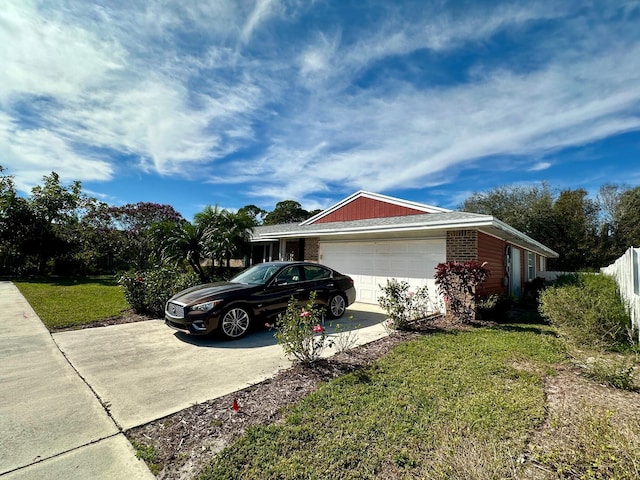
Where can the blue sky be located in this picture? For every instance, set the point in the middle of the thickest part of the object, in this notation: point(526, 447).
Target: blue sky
point(233, 102)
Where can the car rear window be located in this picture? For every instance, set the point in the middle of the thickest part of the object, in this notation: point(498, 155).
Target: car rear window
point(312, 272)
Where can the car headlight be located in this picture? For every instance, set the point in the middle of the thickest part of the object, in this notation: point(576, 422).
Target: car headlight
point(206, 306)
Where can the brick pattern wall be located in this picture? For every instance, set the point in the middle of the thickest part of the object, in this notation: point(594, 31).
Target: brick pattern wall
point(312, 250)
point(462, 245)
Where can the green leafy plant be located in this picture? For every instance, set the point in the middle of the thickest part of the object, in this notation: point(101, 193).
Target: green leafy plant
point(458, 283)
point(300, 331)
point(588, 311)
point(149, 455)
point(148, 291)
point(402, 305)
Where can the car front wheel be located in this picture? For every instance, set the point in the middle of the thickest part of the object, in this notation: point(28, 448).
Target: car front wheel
point(336, 306)
point(235, 323)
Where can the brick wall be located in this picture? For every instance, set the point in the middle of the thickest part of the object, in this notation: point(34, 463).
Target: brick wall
point(462, 245)
point(311, 249)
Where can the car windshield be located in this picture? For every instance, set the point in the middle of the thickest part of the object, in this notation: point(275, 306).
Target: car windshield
point(256, 275)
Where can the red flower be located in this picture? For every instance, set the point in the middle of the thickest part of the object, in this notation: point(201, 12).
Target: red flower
point(235, 406)
point(305, 314)
point(139, 279)
point(268, 325)
point(318, 329)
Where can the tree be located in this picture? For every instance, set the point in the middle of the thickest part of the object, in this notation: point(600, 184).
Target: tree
point(254, 212)
point(568, 223)
point(576, 225)
point(626, 220)
point(56, 209)
point(287, 211)
point(227, 233)
point(528, 209)
point(137, 226)
point(18, 230)
point(187, 243)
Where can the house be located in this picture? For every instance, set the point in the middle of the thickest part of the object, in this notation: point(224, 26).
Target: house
point(374, 237)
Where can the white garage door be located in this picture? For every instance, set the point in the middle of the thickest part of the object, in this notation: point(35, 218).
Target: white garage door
point(370, 264)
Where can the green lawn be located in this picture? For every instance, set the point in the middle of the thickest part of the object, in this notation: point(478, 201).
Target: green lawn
point(64, 303)
point(448, 405)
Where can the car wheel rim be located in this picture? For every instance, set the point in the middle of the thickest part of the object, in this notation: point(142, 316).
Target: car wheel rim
point(337, 306)
point(235, 322)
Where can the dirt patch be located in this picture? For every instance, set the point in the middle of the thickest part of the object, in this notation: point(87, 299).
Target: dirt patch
point(583, 416)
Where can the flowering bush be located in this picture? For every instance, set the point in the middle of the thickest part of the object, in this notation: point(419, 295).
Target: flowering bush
point(300, 331)
point(458, 282)
point(147, 292)
point(403, 306)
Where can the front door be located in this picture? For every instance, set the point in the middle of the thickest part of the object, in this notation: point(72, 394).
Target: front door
point(515, 286)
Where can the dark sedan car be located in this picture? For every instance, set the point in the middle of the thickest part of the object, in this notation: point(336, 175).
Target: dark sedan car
point(261, 291)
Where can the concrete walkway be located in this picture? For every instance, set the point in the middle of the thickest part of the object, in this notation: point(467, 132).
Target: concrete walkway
point(52, 426)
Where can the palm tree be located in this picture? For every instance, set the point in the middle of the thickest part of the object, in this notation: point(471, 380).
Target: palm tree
point(228, 233)
point(235, 234)
point(187, 242)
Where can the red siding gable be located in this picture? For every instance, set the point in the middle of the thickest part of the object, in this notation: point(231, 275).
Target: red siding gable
point(363, 208)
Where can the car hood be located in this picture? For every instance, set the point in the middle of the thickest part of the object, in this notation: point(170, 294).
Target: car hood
point(206, 291)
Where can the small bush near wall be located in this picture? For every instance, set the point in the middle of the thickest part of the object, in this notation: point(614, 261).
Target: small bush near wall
point(588, 311)
point(147, 292)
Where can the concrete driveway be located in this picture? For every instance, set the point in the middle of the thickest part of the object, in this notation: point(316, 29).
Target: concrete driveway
point(51, 424)
point(66, 398)
point(144, 371)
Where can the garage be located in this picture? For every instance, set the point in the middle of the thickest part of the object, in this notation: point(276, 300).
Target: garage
point(371, 263)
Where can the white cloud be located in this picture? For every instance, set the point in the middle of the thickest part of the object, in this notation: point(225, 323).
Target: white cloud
point(540, 166)
point(35, 153)
point(47, 58)
point(262, 10)
point(179, 86)
point(414, 137)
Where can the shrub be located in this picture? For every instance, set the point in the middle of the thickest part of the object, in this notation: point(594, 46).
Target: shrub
point(147, 292)
point(403, 306)
point(494, 307)
point(458, 283)
point(300, 332)
point(588, 311)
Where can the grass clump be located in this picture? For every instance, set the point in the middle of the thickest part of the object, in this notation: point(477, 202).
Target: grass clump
point(442, 406)
point(602, 445)
point(588, 311)
point(62, 303)
point(616, 373)
point(149, 455)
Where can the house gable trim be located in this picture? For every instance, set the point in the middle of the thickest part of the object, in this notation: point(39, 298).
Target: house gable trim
point(419, 207)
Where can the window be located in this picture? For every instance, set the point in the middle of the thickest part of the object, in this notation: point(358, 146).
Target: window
point(531, 266)
point(288, 275)
point(542, 267)
point(316, 273)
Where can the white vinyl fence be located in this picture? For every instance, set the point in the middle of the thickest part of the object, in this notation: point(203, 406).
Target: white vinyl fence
point(626, 271)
